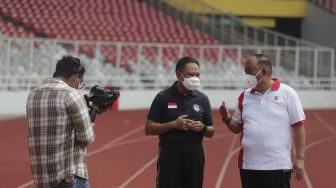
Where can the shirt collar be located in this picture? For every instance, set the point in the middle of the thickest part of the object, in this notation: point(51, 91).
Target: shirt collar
point(53, 80)
point(275, 86)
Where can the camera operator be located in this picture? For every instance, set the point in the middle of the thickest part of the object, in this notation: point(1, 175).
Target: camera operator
point(60, 128)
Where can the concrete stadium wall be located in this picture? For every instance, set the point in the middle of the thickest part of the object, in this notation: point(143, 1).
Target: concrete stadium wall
point(12, 103)
point(319, 26)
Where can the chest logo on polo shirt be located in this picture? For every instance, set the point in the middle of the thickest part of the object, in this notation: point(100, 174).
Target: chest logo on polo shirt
point(196, 107)
point(172, 105)
point(276, 98)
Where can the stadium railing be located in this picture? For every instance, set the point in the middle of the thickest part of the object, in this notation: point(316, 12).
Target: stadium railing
point(25, 62)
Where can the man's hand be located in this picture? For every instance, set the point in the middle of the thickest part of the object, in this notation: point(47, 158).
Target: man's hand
point(181, 123)
point(196, 126)
point(93, 113)
point(298, 167)
point(224, 112)
point(233, 126)
point(300, 143)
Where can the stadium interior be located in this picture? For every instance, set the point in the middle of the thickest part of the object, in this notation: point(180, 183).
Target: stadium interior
point(133, 46)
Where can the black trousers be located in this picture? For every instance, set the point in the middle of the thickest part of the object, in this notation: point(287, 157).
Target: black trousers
point(180, 166)
point(265, 178)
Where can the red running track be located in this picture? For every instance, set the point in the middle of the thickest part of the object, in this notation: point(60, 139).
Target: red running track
point(122, 156)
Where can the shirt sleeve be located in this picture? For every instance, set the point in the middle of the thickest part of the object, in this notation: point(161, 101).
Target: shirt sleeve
point(156, 110)
point(80, 118)
point(237, 115)
point(295, 110)
point(207, 117)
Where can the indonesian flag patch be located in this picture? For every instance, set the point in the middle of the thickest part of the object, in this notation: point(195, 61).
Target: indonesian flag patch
point(172, 105)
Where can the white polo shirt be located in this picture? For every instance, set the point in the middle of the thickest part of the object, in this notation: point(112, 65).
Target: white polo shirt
point(267, 120)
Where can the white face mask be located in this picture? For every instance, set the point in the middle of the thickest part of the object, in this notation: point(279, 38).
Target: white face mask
point(250, 81)
point(191, 83)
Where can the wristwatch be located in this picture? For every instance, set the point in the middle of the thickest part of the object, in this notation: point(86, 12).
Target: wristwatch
point(226, 121)
point(204, 128)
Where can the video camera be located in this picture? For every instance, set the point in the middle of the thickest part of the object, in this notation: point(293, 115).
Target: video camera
point(101, 100)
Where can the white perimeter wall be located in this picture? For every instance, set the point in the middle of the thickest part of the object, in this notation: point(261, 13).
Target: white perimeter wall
point(12, 103)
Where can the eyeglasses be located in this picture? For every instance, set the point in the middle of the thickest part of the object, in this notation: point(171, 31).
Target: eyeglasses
point(82, 83)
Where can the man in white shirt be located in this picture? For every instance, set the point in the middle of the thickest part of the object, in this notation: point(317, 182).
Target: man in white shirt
point(265, 115)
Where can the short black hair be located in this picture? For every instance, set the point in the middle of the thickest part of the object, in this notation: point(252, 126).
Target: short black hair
point(181, 63)
point(264, 61)
point(68, 66)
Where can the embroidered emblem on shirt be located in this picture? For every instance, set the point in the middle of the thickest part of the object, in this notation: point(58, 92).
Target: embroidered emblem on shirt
point(172, 105)
point(276, 98)
point(196, 108)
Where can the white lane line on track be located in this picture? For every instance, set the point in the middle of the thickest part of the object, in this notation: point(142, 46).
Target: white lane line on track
point(31, 182)
point(120, 144)
point(104, 147)
point(154, 159)
point(231, 152)
point(325, 124)
point(114, 144)
point(320, 141)
point(317, 142)
point(114, 141)
point(111, 145)
point(318, 117)
point(306, 177)
point(305, 174)
point(136, 174)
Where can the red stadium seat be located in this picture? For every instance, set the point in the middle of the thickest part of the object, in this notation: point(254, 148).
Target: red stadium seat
point(121, 15)
point(118, 20)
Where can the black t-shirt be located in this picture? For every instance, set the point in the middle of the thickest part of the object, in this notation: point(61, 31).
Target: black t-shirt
point(170, 104)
